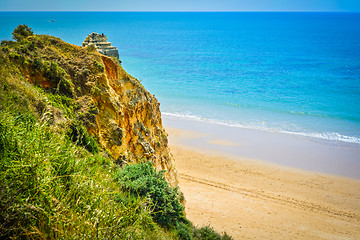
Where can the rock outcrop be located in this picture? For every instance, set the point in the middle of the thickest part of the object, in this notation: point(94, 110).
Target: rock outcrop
point(129, 122)
point(99, 41)
point(94, 90)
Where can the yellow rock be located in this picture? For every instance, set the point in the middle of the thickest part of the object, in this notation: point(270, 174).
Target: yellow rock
point(129, 121)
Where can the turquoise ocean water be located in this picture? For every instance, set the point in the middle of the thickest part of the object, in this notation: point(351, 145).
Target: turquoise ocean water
point(297, 73)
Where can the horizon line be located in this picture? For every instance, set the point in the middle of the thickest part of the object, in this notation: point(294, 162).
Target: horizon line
point(165, 11)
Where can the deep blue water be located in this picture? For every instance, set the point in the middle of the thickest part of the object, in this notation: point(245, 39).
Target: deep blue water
point(291, 72)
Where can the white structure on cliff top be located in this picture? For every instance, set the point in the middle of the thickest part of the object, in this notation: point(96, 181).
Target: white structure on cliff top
point(99, 41)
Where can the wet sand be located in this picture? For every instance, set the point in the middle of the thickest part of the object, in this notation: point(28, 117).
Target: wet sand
point(318, 155)
point(256, 199)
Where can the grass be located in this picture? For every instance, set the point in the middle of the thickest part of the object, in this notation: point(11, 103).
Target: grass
point(53, 189)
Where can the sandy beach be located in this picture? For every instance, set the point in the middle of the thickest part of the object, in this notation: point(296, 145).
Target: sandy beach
point(256, 199)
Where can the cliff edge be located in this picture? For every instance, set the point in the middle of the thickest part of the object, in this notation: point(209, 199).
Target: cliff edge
point(78, 88)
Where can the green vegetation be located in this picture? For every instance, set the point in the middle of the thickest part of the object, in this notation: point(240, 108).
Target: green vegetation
point(21, 32)
point(142, 180)
point(78, 134)
point(55, 180)
point(52, 189)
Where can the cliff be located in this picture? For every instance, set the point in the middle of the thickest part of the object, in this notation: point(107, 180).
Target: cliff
point(70, 118)
point(77, 86)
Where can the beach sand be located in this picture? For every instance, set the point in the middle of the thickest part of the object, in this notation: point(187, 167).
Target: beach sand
point(256, 199)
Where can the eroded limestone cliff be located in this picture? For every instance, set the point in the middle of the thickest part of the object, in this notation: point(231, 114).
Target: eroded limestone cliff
point(129, 120)
point(82, 86)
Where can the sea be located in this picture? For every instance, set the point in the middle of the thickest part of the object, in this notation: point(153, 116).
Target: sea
point(291, 72)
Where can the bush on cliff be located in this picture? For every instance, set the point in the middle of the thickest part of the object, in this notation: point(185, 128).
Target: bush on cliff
point(21, 32)
point(79, 135)
point(143, 180)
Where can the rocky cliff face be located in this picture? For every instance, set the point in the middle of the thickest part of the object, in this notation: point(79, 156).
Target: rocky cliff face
point(96, 91)
point(129, 120)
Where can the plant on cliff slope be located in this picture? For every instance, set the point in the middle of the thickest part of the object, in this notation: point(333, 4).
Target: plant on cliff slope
point(78, 134)
point(21, 32)
point(143, 180)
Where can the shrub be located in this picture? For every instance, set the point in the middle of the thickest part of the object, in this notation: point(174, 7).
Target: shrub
point(91, 48)
point(17, 57)
point(184, 231)
point(143, 180)
point(65, 87)
point(56, 75)
point(98, 66)
point(37, 64)
point(79, 135)
point(62, 102)
point(5, 43)
point(208, 233)
point(21, 32)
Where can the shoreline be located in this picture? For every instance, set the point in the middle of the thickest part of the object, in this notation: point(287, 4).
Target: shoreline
point(287, 150)
point(316, 136)
point(253, 198)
